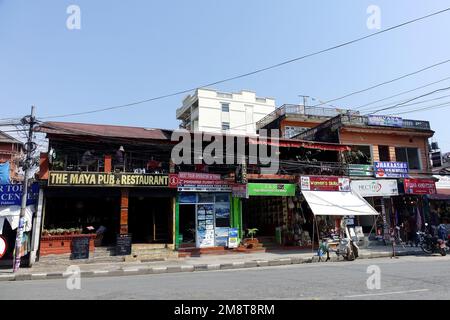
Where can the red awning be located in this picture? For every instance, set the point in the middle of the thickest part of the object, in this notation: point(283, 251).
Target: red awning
point(292, 143)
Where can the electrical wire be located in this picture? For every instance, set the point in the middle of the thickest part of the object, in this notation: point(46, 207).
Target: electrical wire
point(277, 65)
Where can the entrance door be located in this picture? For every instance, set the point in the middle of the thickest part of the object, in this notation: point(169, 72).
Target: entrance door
point(150, 220)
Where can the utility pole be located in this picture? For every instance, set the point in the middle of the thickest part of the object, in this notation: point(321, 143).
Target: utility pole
point(29, 148)
point(304, 99)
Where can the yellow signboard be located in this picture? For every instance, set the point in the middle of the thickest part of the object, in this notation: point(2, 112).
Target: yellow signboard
point(105, 179)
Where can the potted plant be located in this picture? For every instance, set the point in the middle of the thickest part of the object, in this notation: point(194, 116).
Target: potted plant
point(78, 231)
point(250, 243)
point(59, 231)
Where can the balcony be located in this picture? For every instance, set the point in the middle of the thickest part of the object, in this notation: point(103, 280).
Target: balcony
point(294, 110)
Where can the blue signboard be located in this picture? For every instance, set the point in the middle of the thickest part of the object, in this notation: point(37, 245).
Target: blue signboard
point(11, 194)
point(384, 121)
point(388, 169)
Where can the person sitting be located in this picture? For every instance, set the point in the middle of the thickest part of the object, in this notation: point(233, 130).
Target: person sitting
point(119, 158)
point(88, 159)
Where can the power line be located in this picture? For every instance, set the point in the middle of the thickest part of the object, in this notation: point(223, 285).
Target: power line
point(384, 83)
point(436, 106)
point(412, 99)
point(401, 93)
point(277, 65)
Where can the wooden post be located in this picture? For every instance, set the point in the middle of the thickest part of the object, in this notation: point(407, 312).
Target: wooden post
point(124, 211)
point(108, 163)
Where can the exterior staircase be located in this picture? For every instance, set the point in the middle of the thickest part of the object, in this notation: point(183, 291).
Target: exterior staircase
point(151, 252)
point(100, 255)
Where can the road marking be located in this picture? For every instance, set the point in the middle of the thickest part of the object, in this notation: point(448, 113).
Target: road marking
point(386, 293)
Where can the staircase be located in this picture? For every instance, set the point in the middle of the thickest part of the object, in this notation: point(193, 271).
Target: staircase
point(151, 252)
point(267, 243)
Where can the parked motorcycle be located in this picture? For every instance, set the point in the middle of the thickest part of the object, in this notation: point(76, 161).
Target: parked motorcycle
point(430, 243)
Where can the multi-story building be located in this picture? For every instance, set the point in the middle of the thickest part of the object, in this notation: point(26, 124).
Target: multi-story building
point(209, 110)
point(10, 151)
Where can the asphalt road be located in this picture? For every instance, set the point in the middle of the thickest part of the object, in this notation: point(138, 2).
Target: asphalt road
point(422, 277)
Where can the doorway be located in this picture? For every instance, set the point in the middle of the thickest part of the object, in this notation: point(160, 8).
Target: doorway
point(187, 223)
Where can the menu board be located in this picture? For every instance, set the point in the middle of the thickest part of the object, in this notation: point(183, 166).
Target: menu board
point(123, 244)
point(205, 225)
point(80, 248)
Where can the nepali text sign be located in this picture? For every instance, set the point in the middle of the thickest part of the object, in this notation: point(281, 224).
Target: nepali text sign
point(11, 194)
point(375, 188)
point(325, 183)
point(419, 186)
point(271, 189)
point(388, 169)
point(384, 121)
point(201, 182)
point(105, 179)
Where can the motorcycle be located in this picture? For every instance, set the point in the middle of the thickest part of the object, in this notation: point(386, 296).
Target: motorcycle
point(431, 244)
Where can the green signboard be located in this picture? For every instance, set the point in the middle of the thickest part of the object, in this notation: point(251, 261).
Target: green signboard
point(365, 170)
point(271, 189)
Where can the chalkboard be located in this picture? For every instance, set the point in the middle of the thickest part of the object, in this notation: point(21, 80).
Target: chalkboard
point(80, 248)
point(123, 244)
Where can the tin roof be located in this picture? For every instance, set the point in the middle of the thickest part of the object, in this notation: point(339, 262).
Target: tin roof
point(101, 130)
point(6, 138)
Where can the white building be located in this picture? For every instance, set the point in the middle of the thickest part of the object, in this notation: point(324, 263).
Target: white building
point(213, 111)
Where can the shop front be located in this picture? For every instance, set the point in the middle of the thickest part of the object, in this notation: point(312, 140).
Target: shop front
point(10, 206)
point(273, 209)
point(208, 213)
point(102, 206)
point(440, 202)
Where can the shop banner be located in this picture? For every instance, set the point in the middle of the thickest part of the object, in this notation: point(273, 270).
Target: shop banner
point(375, 188)
point(419, 186)
point(443, 183)
point(319, 183)
point(198, 176)
point(388, 169)
point(271, 189)
point(365, 170)
point(105, 179)
point(11, 194)
point(199, 182)
point(384, 121)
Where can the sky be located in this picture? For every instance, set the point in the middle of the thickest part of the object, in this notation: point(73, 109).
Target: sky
point(127, 51)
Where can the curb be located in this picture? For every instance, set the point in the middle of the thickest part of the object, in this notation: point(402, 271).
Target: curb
point(190, 268)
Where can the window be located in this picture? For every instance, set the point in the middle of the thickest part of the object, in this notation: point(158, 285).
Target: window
point(383, 152)
point(359, 155)
point(408, 155)
point(290, 131)
point(225, 107)
point(225, 126)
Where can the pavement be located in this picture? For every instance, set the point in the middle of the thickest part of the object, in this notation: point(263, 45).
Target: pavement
point(65, 268)
point(408, 277)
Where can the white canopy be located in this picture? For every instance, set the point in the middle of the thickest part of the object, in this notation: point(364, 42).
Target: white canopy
point(336, 203)
point(12, 214)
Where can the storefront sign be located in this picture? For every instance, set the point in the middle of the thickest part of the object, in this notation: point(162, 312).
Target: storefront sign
point(375, 188)
point(233, 238)
point(419, 186)
point(384, 121)
point(198, 176)
point(365, 170)
point(105, 179)
point(443, 183)
point(318, 183)
point(11, 194)
point(387, 169)
point(240, 191)
point(271, 189)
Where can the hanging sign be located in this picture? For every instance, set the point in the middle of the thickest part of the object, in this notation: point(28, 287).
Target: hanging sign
point(106, 179)
point(271, 189)
point(360, 170)
point(375, 188)
point(384, 121)
point(390, 169)
point(324, 183)
point(420, 186)
point(11, 194)
point(2, 246)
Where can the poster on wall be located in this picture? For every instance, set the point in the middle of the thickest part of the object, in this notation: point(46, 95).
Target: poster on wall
point(205, 225)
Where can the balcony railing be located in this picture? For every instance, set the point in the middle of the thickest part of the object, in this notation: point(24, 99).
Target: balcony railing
point(407, 123)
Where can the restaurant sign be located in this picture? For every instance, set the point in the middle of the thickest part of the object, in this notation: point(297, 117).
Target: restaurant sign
point(384, 121)
point(271, 189)
point(105, 179)
point(375, 188)
point(324, 183)
point(420, 186)
point(389, 169)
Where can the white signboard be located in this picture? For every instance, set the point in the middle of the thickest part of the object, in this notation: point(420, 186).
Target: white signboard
point(443, 183)
point(375, 188)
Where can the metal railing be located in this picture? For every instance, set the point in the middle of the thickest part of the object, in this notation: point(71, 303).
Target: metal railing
point(406, 123)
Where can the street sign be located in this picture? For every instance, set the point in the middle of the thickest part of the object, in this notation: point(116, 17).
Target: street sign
point(2, 246)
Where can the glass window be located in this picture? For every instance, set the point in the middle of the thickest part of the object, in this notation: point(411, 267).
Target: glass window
point(205, 198)
point(383, 152)
point(225, 126)
point(408, 155)
point(225, 107)
point(359, 155)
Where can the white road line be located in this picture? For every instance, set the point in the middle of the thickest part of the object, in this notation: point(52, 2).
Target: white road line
point(386, 293)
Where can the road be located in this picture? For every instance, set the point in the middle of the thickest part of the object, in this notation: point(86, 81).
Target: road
point(422, 277)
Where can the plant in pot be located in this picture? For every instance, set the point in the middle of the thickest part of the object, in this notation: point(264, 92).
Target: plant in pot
point(78, 230)
point(251, 232)
point(59, 231)
point(72, 231)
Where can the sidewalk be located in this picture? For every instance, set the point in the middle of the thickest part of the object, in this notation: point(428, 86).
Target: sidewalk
point(58, 270)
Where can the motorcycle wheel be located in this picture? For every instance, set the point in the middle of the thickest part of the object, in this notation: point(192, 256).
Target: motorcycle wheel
point(350, 255)
point(426, 249)
point(442, 251)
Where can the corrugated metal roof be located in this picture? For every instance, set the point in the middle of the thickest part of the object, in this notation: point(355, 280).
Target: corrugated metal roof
point(6, 138)
point(101, 130)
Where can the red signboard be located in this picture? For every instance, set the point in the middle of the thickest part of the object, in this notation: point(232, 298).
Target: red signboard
point(199, 176)
point(324, 183)
point(420, 186)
